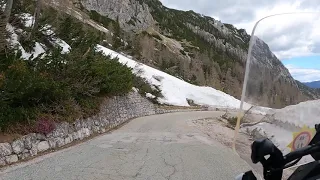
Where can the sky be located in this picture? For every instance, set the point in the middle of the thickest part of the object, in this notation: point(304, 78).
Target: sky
point(294, 39)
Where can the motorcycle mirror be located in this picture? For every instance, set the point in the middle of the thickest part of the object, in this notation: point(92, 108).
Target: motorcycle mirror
point(261, 148)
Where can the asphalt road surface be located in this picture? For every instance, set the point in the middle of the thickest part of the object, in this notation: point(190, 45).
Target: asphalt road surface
point(160, 147)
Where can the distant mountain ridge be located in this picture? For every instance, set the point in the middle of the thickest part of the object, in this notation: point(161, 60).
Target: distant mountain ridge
point(314, 84)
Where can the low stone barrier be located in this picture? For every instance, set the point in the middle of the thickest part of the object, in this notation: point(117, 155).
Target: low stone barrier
point(114, 112)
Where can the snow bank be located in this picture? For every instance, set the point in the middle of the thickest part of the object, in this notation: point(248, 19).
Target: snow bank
point(286, 121)
point(176, 91)
point(292, 118)
point(305, 113)
point(260, 110)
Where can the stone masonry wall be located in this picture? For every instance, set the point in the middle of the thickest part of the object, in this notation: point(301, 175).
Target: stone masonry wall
point(114, 112)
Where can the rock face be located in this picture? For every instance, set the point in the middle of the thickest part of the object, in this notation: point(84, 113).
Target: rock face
point(2, 161)
point(272, 79)
point(5, 149)
point(24, 155)
point(34, 150)
point(18, 146)
point(219, 42)
point(43, 146)
point(132, 15)
point(11, 159)
point(29, 140)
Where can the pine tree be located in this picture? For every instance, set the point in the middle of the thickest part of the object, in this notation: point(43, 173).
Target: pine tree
point(117, 35)
point(36, 17)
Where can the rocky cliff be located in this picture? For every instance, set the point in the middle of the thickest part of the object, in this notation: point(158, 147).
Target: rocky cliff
point(132, 15)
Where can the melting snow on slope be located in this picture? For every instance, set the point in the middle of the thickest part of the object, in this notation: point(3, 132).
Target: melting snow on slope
point(13, 40)
point(47, 30)
point(65, 47)
point(176, 91)
point(239, 38)
point(38, 47)
point(287, 121)
point(28, 19)
point(148, 95)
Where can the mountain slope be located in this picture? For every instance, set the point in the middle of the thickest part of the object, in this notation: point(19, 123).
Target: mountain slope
point(51, 72)
point(196, 48)
point(176, 91)
point(312, 93)
point(314, 84)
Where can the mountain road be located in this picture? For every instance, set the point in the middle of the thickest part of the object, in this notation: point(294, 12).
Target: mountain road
point(159, 147)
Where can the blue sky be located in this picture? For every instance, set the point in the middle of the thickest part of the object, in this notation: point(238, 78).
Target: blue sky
point(309, 62)
point(304, 69)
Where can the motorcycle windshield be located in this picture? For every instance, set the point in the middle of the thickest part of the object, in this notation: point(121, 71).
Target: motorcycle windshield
point(282, 87)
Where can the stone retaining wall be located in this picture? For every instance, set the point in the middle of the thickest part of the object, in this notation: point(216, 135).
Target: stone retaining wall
point(114, 112)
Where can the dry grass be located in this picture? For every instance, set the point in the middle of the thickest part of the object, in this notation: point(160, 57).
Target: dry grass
point(8, 138)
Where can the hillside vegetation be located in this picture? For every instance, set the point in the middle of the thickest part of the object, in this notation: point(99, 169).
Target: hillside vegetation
point(41, 82)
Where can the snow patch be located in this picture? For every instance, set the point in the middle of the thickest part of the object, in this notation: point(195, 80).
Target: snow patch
point(261, 110)
point(135, 89)
point(151, 96)
point(28, 19)
point(239, 38)
point(13, 40)
point(47, 30)
point(65, 47)
point(38, 49)
point(3, 6)
point(176, 91)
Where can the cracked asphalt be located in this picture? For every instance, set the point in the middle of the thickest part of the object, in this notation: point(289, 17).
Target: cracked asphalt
point(160, 147)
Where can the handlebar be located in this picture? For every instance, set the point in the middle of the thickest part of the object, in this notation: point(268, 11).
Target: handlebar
point(301, 152)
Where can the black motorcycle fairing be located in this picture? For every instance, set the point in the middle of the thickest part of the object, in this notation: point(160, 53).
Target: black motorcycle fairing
point(307, 172)
point(262, 148)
